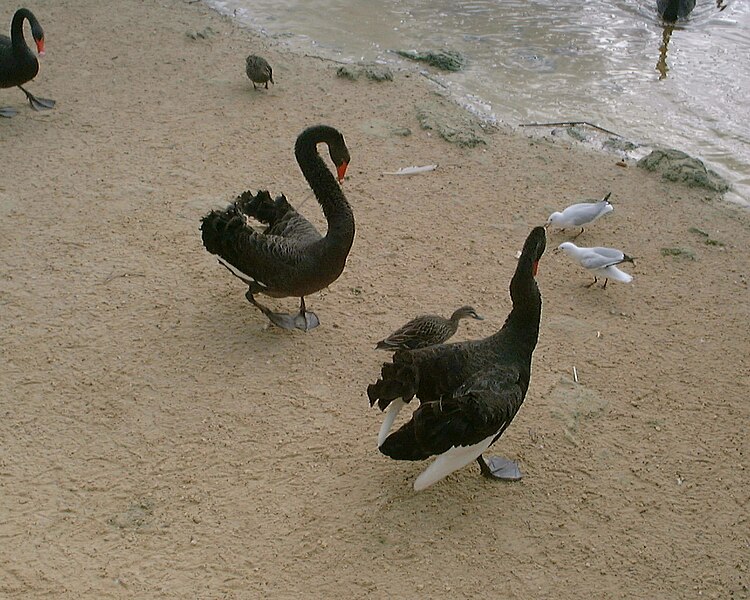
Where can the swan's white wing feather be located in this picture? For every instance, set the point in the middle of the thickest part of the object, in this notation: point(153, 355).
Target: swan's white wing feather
point(450, 460)
point(390, 416)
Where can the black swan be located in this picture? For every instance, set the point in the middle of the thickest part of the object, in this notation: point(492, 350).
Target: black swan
point(426, 330)
point(258, 70)
point(18, 63)
point(671, 10)
point(290, 258)
point(469, 392)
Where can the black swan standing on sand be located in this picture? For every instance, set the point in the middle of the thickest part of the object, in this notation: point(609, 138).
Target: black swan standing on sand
point(469, 392)
point(426, 330)
point(18, 63)
point(290, 258)
point(671, 10)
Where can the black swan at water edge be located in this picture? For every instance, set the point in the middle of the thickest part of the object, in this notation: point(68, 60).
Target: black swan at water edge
point(18, 63)
point(290, 257)
point(671, 10)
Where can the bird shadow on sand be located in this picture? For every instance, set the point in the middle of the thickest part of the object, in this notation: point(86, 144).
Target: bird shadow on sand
point(232, 326)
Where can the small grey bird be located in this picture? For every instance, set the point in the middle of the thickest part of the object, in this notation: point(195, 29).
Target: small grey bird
point(258, 70)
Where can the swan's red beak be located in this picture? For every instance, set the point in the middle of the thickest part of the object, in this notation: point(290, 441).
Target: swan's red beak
point(534, 267)
point(40, 46)
point(341, 171)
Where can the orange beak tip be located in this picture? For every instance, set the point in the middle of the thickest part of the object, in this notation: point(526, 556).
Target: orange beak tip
point(341, 171)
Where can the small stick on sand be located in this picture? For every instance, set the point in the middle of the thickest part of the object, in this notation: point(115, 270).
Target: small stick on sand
point(569, 124)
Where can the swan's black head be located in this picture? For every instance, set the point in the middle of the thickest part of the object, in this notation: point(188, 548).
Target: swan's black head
point(534, 247)
point(339, 154)
point(324, 134)
point(39, 39)
point(38, 34)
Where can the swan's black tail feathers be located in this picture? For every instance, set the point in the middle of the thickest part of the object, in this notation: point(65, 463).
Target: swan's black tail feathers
point(398, 379)
point(260, 206)
point(219, 229)
point(403, 445)
point(263, 208)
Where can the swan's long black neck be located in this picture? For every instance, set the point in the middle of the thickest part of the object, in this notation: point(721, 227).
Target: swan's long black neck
point(16, 30)
point(523, 321)
point(324, 185)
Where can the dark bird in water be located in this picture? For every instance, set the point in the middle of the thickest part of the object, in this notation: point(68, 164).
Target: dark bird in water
point(469, 392)
point(290, 257)
point(258, 70)
point(18, 64)
point(426, 330)
point(671, 10)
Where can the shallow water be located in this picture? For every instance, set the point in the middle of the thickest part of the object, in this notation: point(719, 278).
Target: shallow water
point(612, 63)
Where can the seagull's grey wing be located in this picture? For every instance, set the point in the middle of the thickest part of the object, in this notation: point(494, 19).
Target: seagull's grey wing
point(598, 260)
point(612, 255)
point(609, 252)
point(581, 214)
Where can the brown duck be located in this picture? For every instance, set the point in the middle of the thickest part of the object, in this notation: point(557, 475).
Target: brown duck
point(426, 330)
point(469, 392)
point(290, 257)
point(17, 61)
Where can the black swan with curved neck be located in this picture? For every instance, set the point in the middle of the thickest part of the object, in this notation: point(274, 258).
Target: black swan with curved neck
point(469, 392)
point(290, 257)
point(18, 63)
point(671, 10)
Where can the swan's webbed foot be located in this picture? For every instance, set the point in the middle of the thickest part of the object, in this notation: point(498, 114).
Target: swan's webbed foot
point(38, 103)
point(41, 103)
point(8, 112)
point(497, 467)
point(304, 319)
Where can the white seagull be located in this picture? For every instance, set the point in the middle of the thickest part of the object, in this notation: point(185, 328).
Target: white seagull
point(578, 215)
point(600, 261)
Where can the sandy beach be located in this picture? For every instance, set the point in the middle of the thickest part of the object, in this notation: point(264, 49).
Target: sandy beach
point(160, 440)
